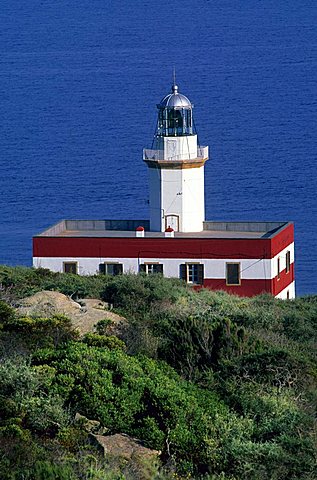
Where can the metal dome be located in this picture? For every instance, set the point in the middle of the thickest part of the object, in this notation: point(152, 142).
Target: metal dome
point(175, 100)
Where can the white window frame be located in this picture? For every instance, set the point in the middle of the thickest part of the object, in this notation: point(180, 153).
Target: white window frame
point(149, 266)
point(192, 277)
point(112, 264)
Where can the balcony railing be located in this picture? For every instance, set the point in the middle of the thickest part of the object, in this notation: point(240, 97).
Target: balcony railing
point(148, 154)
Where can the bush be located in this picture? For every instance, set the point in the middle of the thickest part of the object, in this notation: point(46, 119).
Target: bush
point(111, 342)
point(247, 413)
point(7, 314)
point(20, 282)
point(41, 332)
point(136, 294)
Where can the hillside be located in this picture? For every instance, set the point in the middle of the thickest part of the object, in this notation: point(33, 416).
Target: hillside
point(220, 387)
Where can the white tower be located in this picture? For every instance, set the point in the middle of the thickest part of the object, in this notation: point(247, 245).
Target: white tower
point(176, 168)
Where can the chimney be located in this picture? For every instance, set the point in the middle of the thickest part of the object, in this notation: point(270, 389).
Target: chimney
point(169, 233)
point(139, 232)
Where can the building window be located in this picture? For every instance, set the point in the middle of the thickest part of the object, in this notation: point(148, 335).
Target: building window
point(288, 261)
point(110, 268)
point(192, 273)
point(233, 274)
point(70, 267)
point(278, 268)
point(150, 268)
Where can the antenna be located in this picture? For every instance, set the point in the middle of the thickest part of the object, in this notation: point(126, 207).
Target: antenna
point(174, 76)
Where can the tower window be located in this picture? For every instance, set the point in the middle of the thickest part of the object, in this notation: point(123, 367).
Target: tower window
point(288, 261)
point(151, 268)
point(278, 268)
point(111, 268)
point(188, 118)
point(192, 273)
point(70, 267)
point(175, 120)
point(233, 274)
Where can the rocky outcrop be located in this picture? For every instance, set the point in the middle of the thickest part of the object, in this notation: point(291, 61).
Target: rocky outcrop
point(128, 456)
point(83, 314)
point(123, 446)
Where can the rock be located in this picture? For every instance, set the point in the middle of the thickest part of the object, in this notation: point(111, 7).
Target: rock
point(47, 303)
point(123, 446)
point(84, 315)
point(128, 456)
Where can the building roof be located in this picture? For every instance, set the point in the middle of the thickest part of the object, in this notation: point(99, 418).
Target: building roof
point(127, 228)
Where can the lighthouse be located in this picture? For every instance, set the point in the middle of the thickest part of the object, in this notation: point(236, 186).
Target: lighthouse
point(176, 168)
point(243, 258)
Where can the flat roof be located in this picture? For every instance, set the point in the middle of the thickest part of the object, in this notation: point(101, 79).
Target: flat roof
point(126, 229)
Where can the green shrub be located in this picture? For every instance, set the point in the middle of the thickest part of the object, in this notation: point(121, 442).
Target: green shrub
point(103, 325)
point(20, 282)
point(111, 341)
point(7, 314)
point(46, 470)
point(42, 331)
point(248, 412)
point(135, 294)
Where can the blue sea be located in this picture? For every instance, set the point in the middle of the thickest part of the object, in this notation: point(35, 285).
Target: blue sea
point(79, 83)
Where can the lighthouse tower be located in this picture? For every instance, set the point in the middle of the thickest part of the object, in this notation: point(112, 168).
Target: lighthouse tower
point(176, 168)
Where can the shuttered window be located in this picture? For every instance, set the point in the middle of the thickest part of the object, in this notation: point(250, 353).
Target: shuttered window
point(111, 268)
point(192, 273)
point(233, 274)
point(70, 267)
point(150, 268)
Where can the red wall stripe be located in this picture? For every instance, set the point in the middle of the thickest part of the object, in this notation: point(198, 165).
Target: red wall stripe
point(282, 239)
point(152, 247)
point(251, 287)
point(248, 288)
point(284, 280)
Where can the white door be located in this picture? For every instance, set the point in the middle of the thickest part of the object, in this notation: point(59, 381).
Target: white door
point(172, 221)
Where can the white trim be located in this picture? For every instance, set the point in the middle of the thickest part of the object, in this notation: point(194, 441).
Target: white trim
point(213, 268)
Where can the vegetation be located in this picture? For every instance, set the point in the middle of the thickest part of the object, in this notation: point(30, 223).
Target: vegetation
point(225, 387)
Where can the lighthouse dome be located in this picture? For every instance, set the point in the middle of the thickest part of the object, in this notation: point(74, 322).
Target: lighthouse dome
point(175, 100)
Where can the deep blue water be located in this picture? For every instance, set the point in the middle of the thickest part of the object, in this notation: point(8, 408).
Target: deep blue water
point(79, 85)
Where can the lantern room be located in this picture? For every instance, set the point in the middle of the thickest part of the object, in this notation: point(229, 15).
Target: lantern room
point(175, 117)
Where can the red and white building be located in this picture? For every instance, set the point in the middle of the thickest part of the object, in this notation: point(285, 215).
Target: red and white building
point(244, 258)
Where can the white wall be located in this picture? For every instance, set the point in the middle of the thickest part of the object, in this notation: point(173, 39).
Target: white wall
point(214, 268)
point(178, 148)
point(282, 256)
point(156, 212)
point(177, 191)
point(172, 195)
point(193, 199)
